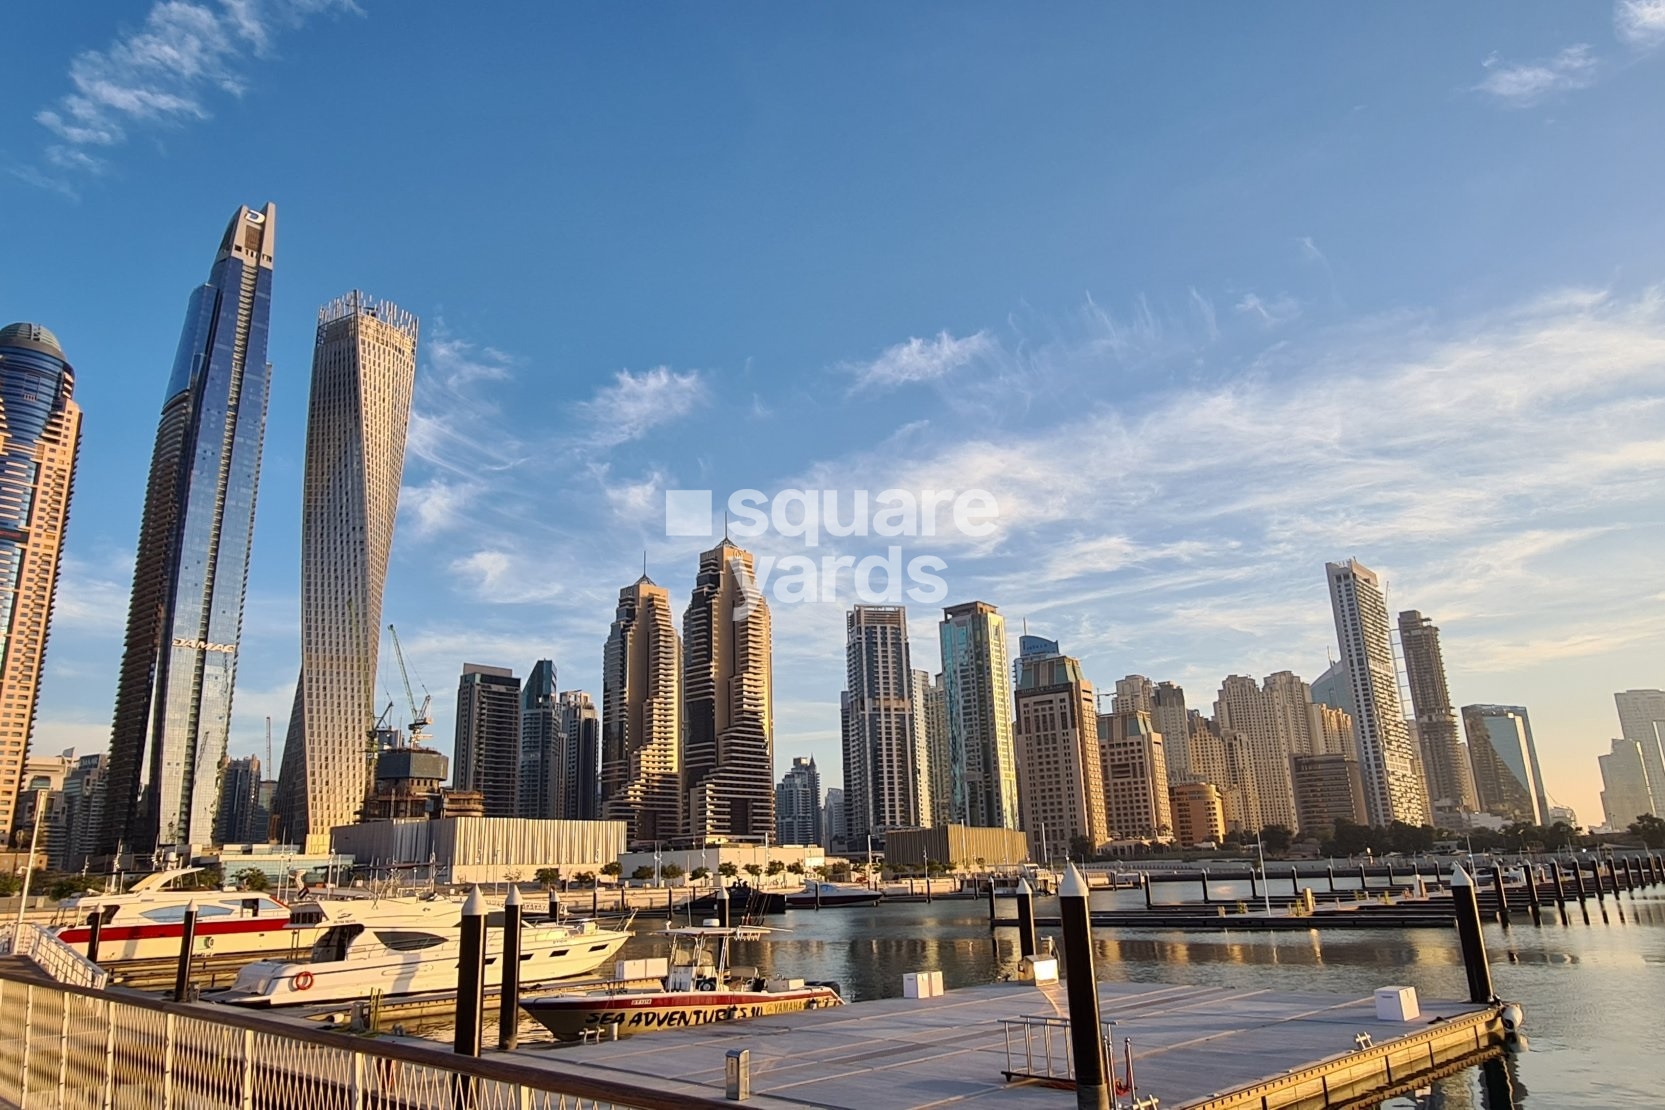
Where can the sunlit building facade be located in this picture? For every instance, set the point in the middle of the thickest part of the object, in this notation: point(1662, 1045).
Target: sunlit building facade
point(641, 716)
point(1506, 775)
point(977, 674)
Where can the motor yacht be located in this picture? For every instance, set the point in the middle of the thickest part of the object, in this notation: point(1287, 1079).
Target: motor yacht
point(147, 921)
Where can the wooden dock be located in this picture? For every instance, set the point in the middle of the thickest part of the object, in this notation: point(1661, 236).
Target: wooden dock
point(1194, 1047)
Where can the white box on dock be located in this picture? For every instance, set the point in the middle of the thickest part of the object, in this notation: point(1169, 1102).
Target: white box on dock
point(922, 984)
point(936, 983)
point(1041, 969)
point(1397, 1004)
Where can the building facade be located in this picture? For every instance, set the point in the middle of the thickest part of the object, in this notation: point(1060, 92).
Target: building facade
point(580, 758)
point(1642, 720)
point(1392, 789)
point(641, 716)
point(931, 728)
point(1135, 774)
point(1445, 762)
point(1506, 775)
point(798, 804)
point(832, 818)
point(185, 616)
point(240, 819)
point(363, 375)
point(1328, 788)
point(1060, 773)
point(1624, 780)
point(542, 778)
point(1262, 718)
point(1170, 717)
point(981, 752)
point(876, 708)
point(728, 752)
point(486, 753)
point(1199, 813)
point(40, 434)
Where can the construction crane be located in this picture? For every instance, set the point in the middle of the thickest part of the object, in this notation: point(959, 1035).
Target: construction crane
point(418, 717)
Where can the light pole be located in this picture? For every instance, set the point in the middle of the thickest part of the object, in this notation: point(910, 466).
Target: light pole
point(28, 869)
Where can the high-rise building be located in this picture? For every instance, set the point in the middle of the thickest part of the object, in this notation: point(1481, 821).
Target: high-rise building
point(486, 754)
point(42, 797)
point(1624, 780)
point(881, 780)
point(1445, 763)
point(1060, 773)
point(641, 716)
point(1265, 719)
point(977, 675)
point(40, 432)
point(363, 374)
point(1222, 758)
point(1328, 788)
point(1392, 791)
point(1135, 777)
point(1642, 719)
point(542, 776)
point(1506, 775)
point(1199, 813)
point(240, 819)
point(580, 758)
point(798, 804)
point(931, 725)
point(1170, 718)
point(185, 617)
point(84, 810)
point(832, 817)
point(728, 751)
point(1332, 731)
point(1133, 694)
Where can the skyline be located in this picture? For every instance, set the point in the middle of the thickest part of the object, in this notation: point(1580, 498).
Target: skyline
point(1163, 393)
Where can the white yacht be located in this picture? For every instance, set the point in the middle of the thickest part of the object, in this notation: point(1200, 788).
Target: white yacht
point(148, 921)
point(399, 947)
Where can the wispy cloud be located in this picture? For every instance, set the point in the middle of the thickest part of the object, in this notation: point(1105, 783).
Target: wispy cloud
point(919, 360)
point(635, 404)
point(1521, 84)
point(1640, 23)
point(165, 73)
point(1268, 313)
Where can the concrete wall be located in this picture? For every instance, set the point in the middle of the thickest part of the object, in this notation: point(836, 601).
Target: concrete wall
point(956, 846)
point(483, 849)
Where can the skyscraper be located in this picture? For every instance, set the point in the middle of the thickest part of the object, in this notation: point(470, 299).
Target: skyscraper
point(1199, 813)
point(728, 753)
point(1135, 774)
point(1274, 725)
point(798, 804)
point(363, 373)
point(542, 776)
point(931, 725)
point(641, 716)
point(580, 758)
point(179, 666)
point(1170, 717)
point(1624, 781)
point(1328, 788)
point(881, 783)
point(977, 676)
point(1642, 719)
point(40, 432)
point(832, 817)
point(1134, 693)
point(486, 755)
point(1060, 774)
point(1506, 774)
point(241, 818)
point(1445, 764)
point(926, 740)
point(1392, 790)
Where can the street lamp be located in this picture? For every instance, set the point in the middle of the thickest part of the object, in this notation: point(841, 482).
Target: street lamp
point(1265, 893)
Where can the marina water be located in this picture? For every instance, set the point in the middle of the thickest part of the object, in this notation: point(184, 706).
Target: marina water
point(1594, 994)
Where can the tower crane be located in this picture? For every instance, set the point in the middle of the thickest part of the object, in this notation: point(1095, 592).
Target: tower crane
point(418, 717)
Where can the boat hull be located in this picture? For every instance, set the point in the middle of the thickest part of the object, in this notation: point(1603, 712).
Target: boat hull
point(831, 901)
point(572, 1018)
point(118, 944)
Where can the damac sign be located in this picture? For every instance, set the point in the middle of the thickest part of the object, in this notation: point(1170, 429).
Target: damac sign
point(204, 645)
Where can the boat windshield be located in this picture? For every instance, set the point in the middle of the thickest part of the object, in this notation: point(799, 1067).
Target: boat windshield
point(333, 945)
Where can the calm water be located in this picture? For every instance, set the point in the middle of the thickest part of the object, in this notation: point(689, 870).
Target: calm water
point(1592, 993)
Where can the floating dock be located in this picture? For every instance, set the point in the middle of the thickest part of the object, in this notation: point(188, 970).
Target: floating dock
point(1194, 1047)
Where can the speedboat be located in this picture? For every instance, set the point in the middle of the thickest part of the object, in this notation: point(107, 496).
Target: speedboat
point(817, 895)
point(398, 947)
point(701, 988)
point(148, 921)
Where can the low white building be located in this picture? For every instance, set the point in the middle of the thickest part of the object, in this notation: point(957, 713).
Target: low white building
point(481, 849)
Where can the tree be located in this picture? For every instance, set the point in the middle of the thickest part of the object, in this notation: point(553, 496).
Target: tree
point(700, 874)
point(728, 869)
point(68, 885)
point(642, 873)
point(548, 876)
point(671, 871)
point(1650, 828)
point(933, 867)
point(585, 878)
point(1277, 838)
point(611, 869)
point(754, 871)
point(775, 868)
point(796, 867)
point(251, 878)
point(1081, 848)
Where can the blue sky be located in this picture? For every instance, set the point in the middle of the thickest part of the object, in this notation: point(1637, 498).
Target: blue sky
point(1204, 296)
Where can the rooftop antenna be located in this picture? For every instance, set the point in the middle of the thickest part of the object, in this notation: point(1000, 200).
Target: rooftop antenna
point(268, 745)
point(725, 524)
point(644, 562)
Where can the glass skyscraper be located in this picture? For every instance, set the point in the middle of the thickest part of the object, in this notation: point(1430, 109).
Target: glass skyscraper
point(173, 700)
point(40, 429)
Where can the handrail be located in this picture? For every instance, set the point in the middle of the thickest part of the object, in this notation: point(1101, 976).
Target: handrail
point(53, 956)
point(495, 1068)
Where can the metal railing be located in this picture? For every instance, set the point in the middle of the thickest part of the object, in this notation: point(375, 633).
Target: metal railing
point(60, 961)
point(1038, 1050)
point(66, 1048)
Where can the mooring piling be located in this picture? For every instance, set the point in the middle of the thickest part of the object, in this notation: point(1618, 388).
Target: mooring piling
point(1025, 918)
point(471, 976)
point(1086, 1031)
point(187, 941)
point(508, 1000)
point(1470, 936)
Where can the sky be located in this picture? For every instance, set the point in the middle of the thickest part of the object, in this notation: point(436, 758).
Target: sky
point(1203, 297)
